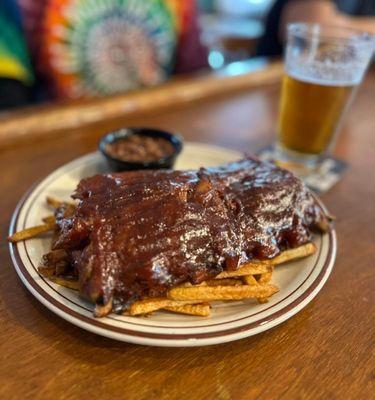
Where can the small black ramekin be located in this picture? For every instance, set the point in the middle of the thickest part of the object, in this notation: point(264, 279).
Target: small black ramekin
point(121, 165)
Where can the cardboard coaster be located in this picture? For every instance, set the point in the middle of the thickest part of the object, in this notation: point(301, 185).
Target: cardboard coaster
point(321, 179)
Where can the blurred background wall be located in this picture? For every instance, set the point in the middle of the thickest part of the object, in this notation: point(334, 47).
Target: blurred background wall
point(68, 49)
point(62, 49)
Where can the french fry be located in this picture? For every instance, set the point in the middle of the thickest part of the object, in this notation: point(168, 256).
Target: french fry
point(31, 232)
point(149, 305)
point(205, 293)
point(200, 310)
point(246, 269)
point(215, 282)
point(294, 254)
point(68, 283)
point(266, 277)
point(249, 280)
point(54, 203)
point(260, 267)
point(224, 282)
point(50, 219)
point(49, 223)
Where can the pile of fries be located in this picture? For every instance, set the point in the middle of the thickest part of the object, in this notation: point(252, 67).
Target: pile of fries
point(250, 281)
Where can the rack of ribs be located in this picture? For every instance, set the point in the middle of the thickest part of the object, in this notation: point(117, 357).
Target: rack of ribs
point(137, 234)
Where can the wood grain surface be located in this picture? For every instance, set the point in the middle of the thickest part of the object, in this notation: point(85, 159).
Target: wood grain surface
point(324, 352)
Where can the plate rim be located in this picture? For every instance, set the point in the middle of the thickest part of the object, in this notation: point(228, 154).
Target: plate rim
point(160, 339)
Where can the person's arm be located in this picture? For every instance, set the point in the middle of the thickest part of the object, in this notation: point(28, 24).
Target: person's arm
point(322, 12)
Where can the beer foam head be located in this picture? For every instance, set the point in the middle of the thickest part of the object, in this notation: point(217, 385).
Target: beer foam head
point(339, 60)
point(325, 74)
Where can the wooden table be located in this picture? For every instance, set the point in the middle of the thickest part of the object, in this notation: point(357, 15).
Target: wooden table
point(324, 352)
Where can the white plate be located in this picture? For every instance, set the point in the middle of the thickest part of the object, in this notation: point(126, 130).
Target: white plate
point(299, 281)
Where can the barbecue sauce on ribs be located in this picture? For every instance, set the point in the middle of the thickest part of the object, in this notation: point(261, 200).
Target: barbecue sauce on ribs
point(136, 234)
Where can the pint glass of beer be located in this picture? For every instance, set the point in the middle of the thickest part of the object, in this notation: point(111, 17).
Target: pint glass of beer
point(323, 68)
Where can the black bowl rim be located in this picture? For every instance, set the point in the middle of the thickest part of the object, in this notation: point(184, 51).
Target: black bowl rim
point(173, 138)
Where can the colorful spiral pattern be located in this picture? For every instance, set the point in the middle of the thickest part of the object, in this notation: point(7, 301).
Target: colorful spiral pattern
point(98, 47)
